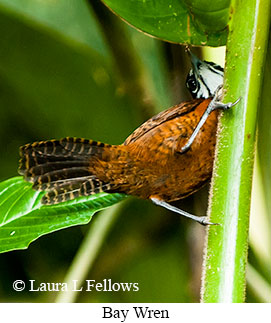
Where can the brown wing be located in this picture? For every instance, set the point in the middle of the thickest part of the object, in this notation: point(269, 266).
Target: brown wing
point(169, 114)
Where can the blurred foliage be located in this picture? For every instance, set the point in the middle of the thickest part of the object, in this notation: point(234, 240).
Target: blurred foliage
point(260, 232)
point(264, 130)
point(61, 75)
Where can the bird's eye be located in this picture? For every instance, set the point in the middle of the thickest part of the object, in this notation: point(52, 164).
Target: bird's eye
point(192, 84)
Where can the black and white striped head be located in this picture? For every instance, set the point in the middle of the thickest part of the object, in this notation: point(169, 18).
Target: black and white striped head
point(204, 78)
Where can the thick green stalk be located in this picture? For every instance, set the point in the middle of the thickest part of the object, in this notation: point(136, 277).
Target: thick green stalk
point(226, 250)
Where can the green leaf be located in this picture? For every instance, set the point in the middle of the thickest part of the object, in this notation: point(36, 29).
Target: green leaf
point(195, 22)
point(23, 218)
point(209, 16)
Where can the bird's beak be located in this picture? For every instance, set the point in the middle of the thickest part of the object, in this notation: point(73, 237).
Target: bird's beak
point(196, 62)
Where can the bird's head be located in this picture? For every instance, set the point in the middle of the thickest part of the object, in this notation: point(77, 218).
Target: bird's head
point(203, 78)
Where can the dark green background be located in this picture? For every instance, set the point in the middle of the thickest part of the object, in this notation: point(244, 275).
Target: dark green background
point(70, 68)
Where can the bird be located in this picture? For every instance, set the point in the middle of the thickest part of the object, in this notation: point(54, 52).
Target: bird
point(167, 158)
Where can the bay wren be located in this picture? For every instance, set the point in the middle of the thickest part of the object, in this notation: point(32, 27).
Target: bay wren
point(167, 158)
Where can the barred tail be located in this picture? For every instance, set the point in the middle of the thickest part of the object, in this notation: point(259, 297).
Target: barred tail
point(61, 167)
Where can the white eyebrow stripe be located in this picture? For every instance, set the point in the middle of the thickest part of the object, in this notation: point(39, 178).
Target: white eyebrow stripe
point(217, 71)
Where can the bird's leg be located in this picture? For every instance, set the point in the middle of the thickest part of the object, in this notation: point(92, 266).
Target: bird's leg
point(200, 219)
point(213, 105)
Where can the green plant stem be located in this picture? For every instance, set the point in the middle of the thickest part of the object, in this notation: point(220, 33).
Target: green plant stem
point(226, 249)
point(88, 251)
